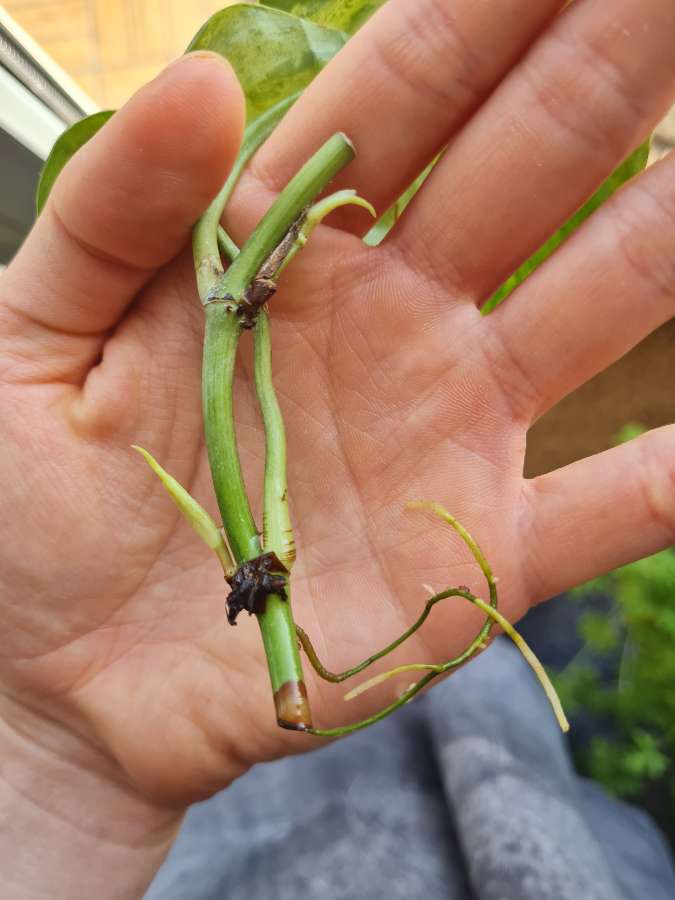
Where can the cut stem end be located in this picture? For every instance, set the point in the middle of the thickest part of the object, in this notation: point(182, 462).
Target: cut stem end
point(292, 706)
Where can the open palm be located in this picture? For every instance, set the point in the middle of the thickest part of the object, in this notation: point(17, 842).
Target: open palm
point(393, 385)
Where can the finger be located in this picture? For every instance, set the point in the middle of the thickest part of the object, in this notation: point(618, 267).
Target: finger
point(126, 202)
point(585, 95)
point(403, 84)
point(599, 295)
point(602, 512)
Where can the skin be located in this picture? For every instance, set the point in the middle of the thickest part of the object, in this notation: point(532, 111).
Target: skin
point(124, 695)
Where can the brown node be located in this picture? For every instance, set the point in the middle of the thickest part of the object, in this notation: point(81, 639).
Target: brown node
point(256, 296)
point(252, 583)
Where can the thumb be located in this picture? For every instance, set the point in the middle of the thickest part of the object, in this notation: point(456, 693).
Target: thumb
point(126, 202)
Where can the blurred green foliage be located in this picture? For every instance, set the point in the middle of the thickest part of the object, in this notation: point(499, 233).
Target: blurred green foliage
point(636, 710)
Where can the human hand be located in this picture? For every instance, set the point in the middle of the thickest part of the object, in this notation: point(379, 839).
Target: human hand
point(392, 384)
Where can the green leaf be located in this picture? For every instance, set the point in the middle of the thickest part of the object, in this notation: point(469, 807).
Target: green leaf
point(273, 53)
point(318, 212)
point(195, 515)
point(629, 167)
point(388, 219)
point(346, 15)
point(66, 146)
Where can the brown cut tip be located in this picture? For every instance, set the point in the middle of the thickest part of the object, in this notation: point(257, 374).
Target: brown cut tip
point(290, 726)
point(292, 706)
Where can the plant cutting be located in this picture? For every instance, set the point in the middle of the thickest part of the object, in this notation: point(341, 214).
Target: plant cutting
point(234, 298)
point(258, 571)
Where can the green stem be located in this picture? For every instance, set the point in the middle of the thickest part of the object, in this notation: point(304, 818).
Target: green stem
point(226, 245)
point(277, 529)
point(205, 242)
point(220, 295)
point(312, 178)
point(220, 348)
point(277, 621)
